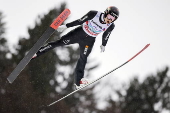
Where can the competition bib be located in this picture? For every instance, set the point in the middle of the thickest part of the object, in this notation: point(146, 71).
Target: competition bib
point(94, 27)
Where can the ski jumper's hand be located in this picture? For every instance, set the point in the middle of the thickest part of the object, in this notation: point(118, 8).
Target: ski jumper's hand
point(61, 28)
point(102, 48)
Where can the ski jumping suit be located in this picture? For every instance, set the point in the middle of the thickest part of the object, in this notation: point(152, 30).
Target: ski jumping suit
point(91, 25)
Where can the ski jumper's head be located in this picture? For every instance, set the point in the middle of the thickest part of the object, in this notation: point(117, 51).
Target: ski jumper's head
point(111, 14)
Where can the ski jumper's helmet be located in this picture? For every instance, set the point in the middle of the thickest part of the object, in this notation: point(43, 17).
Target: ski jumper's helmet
point(112, 10)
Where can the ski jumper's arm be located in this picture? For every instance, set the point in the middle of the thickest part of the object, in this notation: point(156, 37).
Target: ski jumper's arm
point(91, 14)
point(106, 34)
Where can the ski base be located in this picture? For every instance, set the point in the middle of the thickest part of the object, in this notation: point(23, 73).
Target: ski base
point(57, 22)
point(101, 76)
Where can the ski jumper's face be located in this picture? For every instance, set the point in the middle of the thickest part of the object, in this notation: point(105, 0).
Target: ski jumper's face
point(109, 19)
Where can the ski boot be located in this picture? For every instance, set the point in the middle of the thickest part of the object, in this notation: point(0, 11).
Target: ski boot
point(83, 82)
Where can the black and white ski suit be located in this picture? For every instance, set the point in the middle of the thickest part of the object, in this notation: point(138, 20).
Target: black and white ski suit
point(91, 25)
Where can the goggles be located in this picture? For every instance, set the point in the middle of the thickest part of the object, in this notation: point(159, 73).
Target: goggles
point(110, 17)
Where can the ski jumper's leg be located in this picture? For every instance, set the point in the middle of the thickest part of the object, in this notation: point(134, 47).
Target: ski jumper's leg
point(85, 50)
point(69, 38)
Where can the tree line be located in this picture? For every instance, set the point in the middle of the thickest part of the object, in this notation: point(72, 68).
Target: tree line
point(45, 80)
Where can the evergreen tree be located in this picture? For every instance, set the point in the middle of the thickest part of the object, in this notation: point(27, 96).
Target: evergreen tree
point(150, 96)
point(5, 66)
point(49, 77)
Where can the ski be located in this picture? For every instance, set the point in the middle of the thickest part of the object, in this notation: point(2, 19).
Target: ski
point(45, 36)
point(100, 77)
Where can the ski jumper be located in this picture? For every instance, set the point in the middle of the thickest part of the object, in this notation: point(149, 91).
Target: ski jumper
point(91, 25)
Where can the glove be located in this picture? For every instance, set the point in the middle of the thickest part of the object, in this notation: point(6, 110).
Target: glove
point(61, 28)
point(102, 48)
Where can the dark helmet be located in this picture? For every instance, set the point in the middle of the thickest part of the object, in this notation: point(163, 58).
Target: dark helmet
point(112, 10)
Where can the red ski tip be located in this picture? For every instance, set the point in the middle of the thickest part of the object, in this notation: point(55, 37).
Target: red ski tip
point(60, 19)
point(139, 52)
